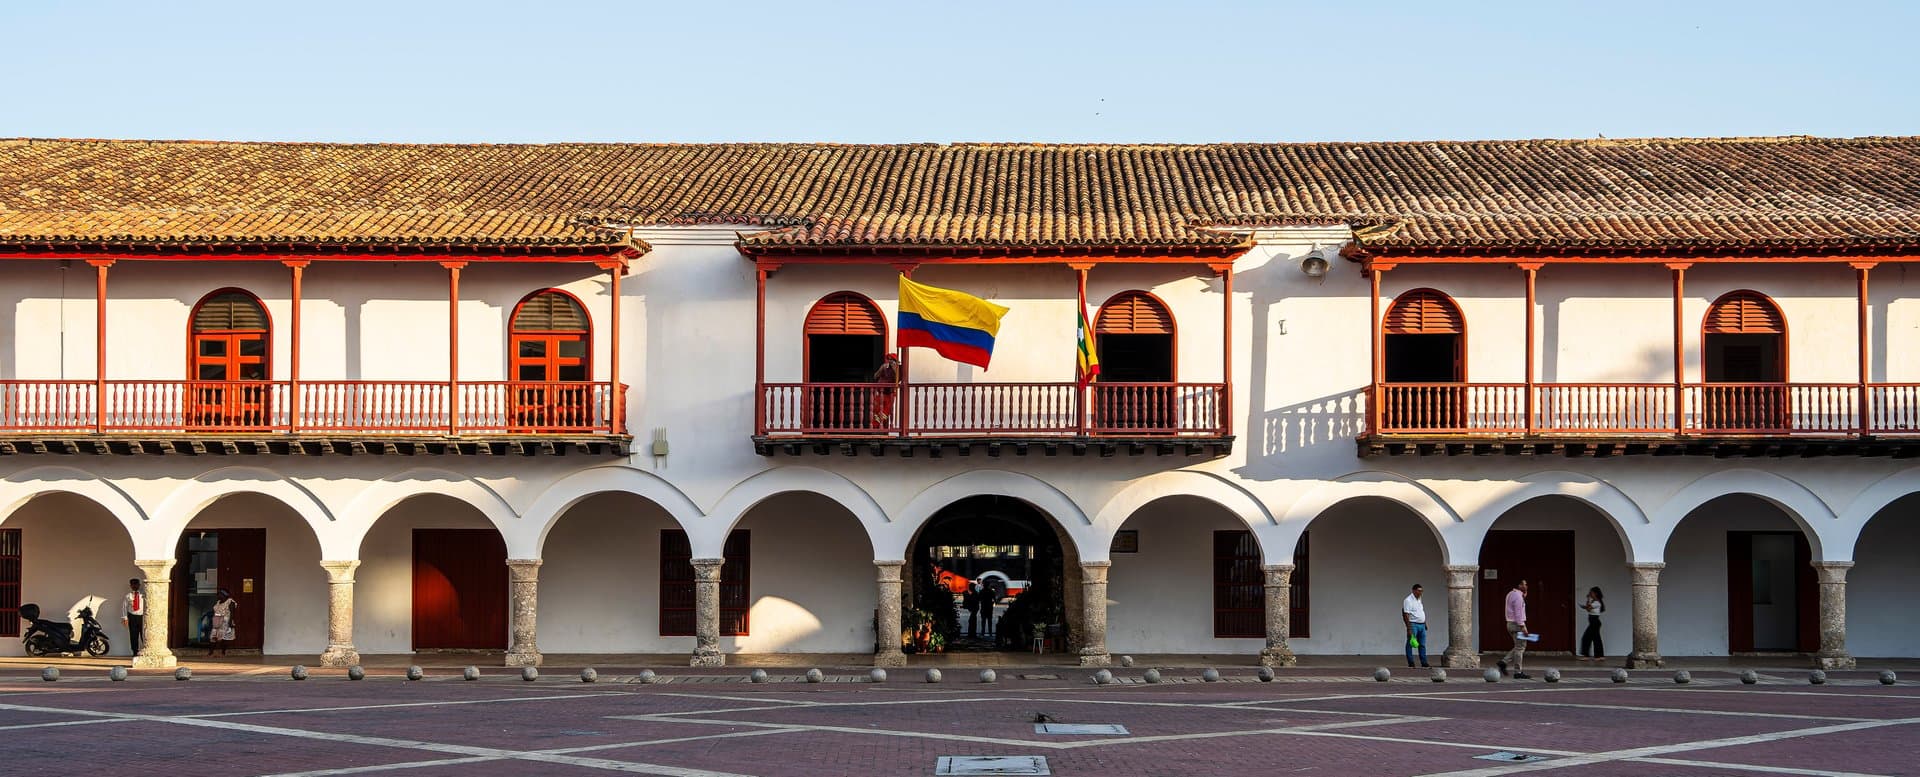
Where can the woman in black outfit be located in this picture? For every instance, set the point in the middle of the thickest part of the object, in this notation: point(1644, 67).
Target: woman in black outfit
point(1591, 648)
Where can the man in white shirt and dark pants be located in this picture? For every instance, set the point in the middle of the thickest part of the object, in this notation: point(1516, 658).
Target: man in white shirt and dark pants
point(1413, 612)
point(133, 613)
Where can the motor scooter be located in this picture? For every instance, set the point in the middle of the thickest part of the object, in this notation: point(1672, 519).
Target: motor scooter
point(45, 638)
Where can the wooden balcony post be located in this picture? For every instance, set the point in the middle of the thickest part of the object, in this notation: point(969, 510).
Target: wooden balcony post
point(1082, 384)
point(760, 273)
point(453, 346)
point(1225, 422)
point(1866, 419)
point(1531, 269)
point(905, 414)
point(1378, 347)
point(298, 266)
point(616, 406)
point(100, 343)
point(1679, 347)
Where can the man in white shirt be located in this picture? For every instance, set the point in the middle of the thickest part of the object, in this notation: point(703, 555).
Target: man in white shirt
point(1413, 612)
point(133, 613)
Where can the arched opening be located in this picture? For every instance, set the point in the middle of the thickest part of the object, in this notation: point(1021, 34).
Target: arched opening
point(1134, 335)
point(1187, 578)
point(1562, 547)
point(846, 344)
point(433, 576)
point(551, 342)
point(57, 551)
point(267, 557)
point(231, 346)
point(1022, 571)
point(1424, 339)
point(606, 548)
point(809, 587)
point(1739, 579)
point(1884, 579)
point(1743, 353)
point(1366, 554)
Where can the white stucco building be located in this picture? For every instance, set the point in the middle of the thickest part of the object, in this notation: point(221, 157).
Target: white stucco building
point(1329, 372)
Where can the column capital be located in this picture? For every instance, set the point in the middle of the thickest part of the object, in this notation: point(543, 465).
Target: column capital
point(888, 571)
point(340, 572)
point(1652, 565)
point(886, 564)
point(155, 568)
point(1276, 568)
point(1095, 564)
point(1458, 568)
point(1832, 565)
point(523, 569)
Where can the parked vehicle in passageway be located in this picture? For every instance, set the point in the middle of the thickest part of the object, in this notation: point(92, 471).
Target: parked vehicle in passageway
point(45, 637)
point(1009, 587)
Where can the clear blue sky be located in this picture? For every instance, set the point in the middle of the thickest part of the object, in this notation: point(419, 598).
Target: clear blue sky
point(918, 70)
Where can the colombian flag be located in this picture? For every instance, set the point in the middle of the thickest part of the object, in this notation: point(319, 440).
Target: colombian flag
point(954, 324)
point(1088, 359)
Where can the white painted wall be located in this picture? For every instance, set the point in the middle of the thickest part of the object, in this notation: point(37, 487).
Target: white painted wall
point(1883, 586)
point(72, 549)
point(812, 586)
point(600, 581)
point(1160, 600)
point(1363, 558)
point(1693, 587)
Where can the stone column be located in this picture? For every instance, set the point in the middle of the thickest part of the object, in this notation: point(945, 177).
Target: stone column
point(1279, 615)
point(340, 650)
point(1646, 616)
point(1460, 580)
point(523, 595)
point(1833, 615)
point(886, 628)
point(158, 596)
point(706, 613)
point(1093, 619)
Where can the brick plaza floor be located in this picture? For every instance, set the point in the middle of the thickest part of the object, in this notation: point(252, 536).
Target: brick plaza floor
point(253, 720)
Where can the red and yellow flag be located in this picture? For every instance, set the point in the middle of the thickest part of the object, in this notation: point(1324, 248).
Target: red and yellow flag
point(1088, 360)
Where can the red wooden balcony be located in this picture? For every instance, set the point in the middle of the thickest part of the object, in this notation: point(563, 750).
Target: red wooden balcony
point(988, 411)
point(336, 408)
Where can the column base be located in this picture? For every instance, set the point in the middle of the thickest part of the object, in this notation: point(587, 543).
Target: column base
point(1839, 661)
point(1276, 657)
point(1645, 661)
point(715, 658)
point(339, 657)
point(529, 658)
point(893, 659)
point(1461, 660)
point(148, 661)
point(1096, 659)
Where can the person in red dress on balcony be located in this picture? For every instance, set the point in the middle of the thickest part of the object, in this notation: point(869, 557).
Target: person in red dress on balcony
point(889, 376)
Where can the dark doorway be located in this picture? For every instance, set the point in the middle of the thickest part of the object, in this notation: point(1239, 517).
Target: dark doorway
point(459, 589)
point(1424, 360)
point(1773, 596)
point(1744, 361)
point(1545, 560)
point(209, 560)
point(990, 539)
point(1134, 337)
point(846, 340)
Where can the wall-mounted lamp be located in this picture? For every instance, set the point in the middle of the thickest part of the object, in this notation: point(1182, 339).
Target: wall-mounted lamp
point(1315, 265)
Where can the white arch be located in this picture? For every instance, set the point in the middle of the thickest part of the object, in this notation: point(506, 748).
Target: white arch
point(1875, 498)
point(1394, 487)
point(995, 482)
point(19, 488)
point(763, 485)
point(1806, 509)
point(186, 501)
point(1161, 485)
point(530, 533)
point(1619, 510)
point(381, 496)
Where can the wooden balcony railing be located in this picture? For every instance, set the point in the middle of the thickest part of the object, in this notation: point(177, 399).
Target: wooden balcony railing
point(1600, 409)
point(318, 407)
point(993, 409)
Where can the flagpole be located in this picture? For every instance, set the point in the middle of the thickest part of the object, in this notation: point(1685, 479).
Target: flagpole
point(1080, 387)
point(906, 271)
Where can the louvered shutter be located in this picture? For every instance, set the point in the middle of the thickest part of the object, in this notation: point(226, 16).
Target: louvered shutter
point(550, 311)
point(846, 313)
point(229, 311)
point(1134, 313)
point(1425, 312)
point(1745, 313)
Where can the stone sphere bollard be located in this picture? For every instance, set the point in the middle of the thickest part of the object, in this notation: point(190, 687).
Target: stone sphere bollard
point(1152, 676)
point(1102, 677)
point(1382, 674)
point(183, 673)
point(1439, 675)
point(356, 673)
point(1749, 677)
point(589, 675)
point(757, 676)
point(298, 673)
point(1552, 675)
point(1126, 660)
point(50, 674)
point(933, 675)
point(815, 676)
point(989, 676)
point(118, 674)
point(1682, 677)
point(470, 673)
point(1265, 674)
point(529, 674)
point(647, 677)
point(415, 673)
point(1888, 677)
point(1817, 677)
point(1211, 675)
point(1491, 675)
point(877, 675)
point(1619, 675)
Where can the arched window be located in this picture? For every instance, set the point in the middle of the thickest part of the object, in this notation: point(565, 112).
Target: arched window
point(1134, 335)
point(552, 339)
point(231, 341)
point(1425, 337)
point(846, 338)
point(1743, 342)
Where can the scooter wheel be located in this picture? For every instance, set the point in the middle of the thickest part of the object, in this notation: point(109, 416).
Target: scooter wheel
point(36, 647)
point(98, 646)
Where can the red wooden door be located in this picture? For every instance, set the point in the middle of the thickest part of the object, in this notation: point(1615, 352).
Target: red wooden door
point(459, 589)
point(219, 360)
point(1545, 560)
point(1740, 593)
point(238, 564)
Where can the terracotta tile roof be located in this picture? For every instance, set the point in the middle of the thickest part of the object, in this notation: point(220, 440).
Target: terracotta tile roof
point(1498, 196)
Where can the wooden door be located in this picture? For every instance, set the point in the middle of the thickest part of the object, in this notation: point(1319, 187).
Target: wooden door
point(846, 344)
point(1744, 362)
point(1545, 560)
point(1135, 337)
point(219, 360)
point(550, 359)
point(236, 563)
point(459, 589)
point(1741, 595)
point(1424, 340)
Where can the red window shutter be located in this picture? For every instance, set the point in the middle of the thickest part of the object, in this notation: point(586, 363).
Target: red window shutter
point(846, 313)
point(550, 311)
point(1134, 313)
point(1745, 313)
point(10, 571)
point(229, 311)
point(1425, 312)
point(677, 604)
point(1239, 586)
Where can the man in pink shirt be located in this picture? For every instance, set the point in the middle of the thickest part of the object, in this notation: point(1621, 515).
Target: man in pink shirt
point(1516, 628)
